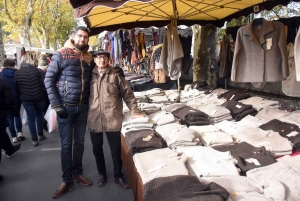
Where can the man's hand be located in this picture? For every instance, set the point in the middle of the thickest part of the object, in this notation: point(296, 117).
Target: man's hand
point(61, 112)
point(119, 71)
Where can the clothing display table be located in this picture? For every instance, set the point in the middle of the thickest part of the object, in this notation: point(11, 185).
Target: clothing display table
point(171, 84)
point(134, 179)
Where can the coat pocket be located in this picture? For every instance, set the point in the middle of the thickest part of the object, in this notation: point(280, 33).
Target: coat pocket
point(94, 88)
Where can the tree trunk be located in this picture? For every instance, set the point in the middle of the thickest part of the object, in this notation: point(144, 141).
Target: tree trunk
point(2, 53)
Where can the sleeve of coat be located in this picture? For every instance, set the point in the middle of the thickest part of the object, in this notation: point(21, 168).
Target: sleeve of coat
point(297, 55)
point(282, 44)
point(237, 48)
point(128, 95)
point(51, 78)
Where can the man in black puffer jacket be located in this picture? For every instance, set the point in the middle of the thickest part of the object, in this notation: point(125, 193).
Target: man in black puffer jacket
point(29, 83)
point(6, 101)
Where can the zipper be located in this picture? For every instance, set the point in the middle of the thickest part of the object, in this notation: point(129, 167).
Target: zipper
point(65, 88)
point(82, 81)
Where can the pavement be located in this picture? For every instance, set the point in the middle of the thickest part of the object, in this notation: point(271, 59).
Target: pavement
point(34, 173)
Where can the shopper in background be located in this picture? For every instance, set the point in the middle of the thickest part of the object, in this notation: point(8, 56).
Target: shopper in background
point(29, 83)
point(13, 114)
point(6, 101)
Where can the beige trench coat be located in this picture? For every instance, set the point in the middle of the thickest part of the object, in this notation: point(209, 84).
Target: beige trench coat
point(105, 103)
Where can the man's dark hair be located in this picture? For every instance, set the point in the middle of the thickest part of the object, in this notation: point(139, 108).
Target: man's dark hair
point(82, 28)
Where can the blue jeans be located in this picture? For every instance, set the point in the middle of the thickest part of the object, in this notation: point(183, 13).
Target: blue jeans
point(72, 127)
point(13, 116)
point(35, 116)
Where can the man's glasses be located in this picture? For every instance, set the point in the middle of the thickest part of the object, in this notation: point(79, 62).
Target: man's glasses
point(80, 36)
point(101, 57)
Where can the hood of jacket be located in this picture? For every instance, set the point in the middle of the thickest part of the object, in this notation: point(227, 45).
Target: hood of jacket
point(9, 71)
point(84, 54)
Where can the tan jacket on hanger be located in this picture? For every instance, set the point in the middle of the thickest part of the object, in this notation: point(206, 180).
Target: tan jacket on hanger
point(260, 53)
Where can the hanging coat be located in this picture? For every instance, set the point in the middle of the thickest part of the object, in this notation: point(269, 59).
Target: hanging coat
point(260, 53)
point(172, 53)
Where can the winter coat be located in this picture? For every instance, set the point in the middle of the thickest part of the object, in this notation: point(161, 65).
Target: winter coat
point(105, 103)
point(72, 69)
point(8, 74)
point(260, 53)
point(172, 53)
point(29, 83)
point(6, 101)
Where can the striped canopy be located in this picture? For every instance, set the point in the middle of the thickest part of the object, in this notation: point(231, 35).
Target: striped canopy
point(111, 15)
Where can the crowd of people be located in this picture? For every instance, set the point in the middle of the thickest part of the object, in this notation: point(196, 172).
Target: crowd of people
point(84, 90)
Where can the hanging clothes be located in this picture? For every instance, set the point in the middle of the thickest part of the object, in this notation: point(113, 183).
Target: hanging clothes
point(290, 86)
point(260, 53)
point(225, 58)
point(172, 53)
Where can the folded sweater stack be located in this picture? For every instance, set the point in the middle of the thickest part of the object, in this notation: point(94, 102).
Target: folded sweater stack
point(190, 116)
point(239, 110)
point(216, 113)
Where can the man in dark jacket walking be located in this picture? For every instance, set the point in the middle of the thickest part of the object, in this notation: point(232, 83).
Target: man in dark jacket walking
point(13, 114)
point(29, 82)
point(71, 67)
point(6, 101)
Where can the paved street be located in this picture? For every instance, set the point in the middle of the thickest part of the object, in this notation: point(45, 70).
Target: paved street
point(34, 173)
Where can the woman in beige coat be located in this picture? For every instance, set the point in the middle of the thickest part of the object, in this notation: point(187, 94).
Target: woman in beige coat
point(106, 114)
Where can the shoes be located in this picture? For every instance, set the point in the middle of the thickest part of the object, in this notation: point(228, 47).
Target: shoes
point(82, 180)
point(16, 149)
point(101, 180)
point(1, 177)
point(20, 136)
point(35, 143)
point(122, 183)
point(63, 189)
point(15, 140)
point(41, 137)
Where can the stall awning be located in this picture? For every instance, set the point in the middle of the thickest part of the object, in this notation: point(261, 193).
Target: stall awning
point(111, 15)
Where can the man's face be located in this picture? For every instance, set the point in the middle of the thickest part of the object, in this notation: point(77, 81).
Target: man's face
point(81, 39)
point(101, 61)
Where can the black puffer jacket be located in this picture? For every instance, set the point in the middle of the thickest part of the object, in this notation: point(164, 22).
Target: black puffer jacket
point(72, 69)
point(6, 101)
point(29, 82)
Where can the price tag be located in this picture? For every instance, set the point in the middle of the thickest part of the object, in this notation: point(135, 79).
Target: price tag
point(253, 160)
point(269, 43)
point(238, 106)
point(159, 166)
point(149, 137)
point(292, 134)
point(232, 97)
point(213, 112)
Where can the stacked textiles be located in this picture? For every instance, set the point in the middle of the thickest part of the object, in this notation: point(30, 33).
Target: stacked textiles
point(192, 94)
point(287, 130)
point(271, 112)
point(239, 110)
point(281, 180)
point(161, 118)
point(172, 107)
point(135, 123)
point(259, 103)
point(211, 135)
point(248, 157)
point(157, 95)
point(183, 188)
point(177, 135)
point(234, 95)
point(150, 107)
point(293, 118)
point(216, 113)
point(257, 137)
point(207, 162)
point(159, 163)
point(143, 140)
point(208, 99)
point(190, 116)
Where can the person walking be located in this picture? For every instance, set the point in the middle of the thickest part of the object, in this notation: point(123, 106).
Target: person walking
point(29, 83)
point(13, 114)
point(71, 68)
point(106, 114)
point(6, 101)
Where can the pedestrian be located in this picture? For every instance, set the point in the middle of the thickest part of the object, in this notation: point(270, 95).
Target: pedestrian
point(30, 85)
point(6, 101)
point(13, 114)
point(106, 114)
point(42, 67)
point(71, 68)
